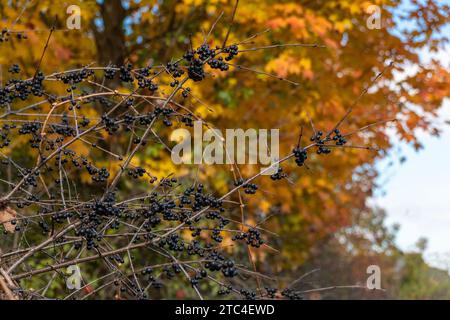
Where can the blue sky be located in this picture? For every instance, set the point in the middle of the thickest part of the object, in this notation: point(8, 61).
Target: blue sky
point(416, 194)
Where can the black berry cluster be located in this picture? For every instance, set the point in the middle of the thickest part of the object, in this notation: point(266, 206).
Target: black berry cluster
point(300, 155)
point(125, 73)
point(291, 294)
point(278, 175)
point(252, 237)
point(338, 138)
point(136, 172)
point(6, 34)
point(250, 188)
point(14, 68)
point(232, 51)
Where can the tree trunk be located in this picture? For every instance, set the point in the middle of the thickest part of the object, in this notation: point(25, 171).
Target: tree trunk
point(110, 36)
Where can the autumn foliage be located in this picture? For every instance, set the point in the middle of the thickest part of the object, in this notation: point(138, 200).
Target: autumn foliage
point(302, 66)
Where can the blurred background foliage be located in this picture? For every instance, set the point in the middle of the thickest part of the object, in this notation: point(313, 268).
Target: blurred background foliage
point(320, 216)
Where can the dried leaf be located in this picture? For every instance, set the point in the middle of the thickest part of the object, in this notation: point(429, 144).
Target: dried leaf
point(6, 215)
